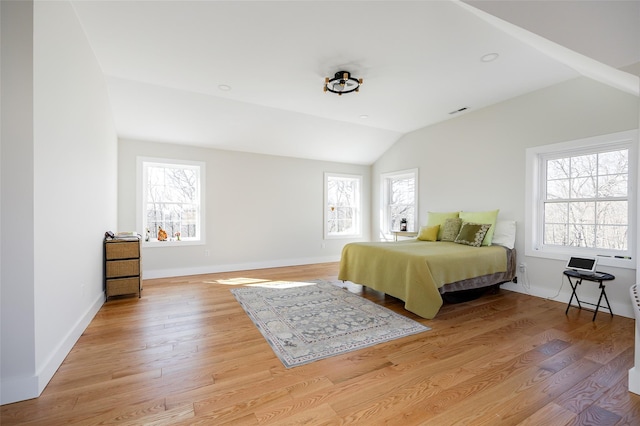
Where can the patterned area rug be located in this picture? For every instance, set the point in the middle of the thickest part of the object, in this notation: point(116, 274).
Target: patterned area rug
point(304, 322)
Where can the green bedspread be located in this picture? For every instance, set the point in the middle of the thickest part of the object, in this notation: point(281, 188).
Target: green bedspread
point(413, 270)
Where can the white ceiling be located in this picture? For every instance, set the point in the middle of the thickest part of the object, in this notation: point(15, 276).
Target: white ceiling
point(165, 60)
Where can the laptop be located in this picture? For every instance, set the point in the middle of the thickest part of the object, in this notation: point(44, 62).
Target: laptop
point(584, 265)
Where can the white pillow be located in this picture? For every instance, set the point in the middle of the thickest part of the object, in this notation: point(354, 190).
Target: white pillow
point(505, 233)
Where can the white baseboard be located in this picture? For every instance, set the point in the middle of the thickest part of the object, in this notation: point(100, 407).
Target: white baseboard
point(21, 388)
point(619, 308)
point(212, 269)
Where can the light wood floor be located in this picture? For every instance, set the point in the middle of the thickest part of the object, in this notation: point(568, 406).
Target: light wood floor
point(186, 353)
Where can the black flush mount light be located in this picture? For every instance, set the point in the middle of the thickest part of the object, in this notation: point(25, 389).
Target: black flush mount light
point(342, 82)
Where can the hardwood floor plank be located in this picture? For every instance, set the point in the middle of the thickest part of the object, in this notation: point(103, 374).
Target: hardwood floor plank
point(186, 353)
point(129, 413)
point(550, 414)
point(444, 406)
point(227, 408)
point(191, 395)
point(320, 415)
point(620, 401)
point(515, 398)
point(526, 400)
point(595, 416)
point(587, 392)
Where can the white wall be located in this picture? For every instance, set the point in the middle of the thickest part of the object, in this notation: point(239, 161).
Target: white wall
point(634, 373)
point(17, 344)
point(477, 162)
point(261, 211)
point(73, 188)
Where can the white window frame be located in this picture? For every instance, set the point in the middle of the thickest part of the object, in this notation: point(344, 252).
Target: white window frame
point(534, 204)
point(357, 207)
point(141, 194)
point(385, 217)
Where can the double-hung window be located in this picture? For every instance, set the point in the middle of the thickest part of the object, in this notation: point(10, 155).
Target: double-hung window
point(399, 199)
point(171, 201)
point(584, 200)
point(343, 205)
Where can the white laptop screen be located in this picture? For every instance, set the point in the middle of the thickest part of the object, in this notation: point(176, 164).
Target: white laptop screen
point(582, 264)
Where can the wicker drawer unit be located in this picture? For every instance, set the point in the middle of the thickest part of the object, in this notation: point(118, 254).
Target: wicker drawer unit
point(120, 286)
point(123, 268)
point(122, 272)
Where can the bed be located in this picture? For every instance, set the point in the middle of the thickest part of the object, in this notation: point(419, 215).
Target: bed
point(420, 272)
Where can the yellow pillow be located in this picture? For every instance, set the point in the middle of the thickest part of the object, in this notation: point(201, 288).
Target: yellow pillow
point(435, 218)
point(489, 217)
point(428, 233)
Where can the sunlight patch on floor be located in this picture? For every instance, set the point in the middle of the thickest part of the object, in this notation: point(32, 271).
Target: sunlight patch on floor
point(281, 284)
point(259, 282)
point(238, 281)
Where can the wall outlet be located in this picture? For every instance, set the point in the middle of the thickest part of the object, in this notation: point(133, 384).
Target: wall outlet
point(207, 252)
point(522, 267)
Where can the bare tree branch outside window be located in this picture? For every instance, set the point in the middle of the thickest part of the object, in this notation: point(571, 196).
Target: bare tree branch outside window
point(172, 200)
point(343, 205)
point(402, 202)
point(586, 201)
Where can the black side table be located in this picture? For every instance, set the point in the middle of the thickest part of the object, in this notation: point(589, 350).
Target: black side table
point(598, 277)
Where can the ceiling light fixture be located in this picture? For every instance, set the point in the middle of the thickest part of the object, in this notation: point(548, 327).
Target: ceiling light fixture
point(224, 87)
point(342, 82)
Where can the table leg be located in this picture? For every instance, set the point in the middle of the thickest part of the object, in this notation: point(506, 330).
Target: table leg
point(573, 293)
point(606, 299)
point(598, 305)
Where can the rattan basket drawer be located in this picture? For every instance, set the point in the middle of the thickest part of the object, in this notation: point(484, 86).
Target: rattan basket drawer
point(120, 286)
point(122, 250)
point(123, 268)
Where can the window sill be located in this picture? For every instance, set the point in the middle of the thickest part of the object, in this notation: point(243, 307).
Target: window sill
point(173, 243)
point(603, 260)
point(342, 237)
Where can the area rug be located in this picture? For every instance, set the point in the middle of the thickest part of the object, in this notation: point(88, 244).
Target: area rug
point(308, 321)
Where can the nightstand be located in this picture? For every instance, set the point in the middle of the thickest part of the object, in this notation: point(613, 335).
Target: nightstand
point(397, 234)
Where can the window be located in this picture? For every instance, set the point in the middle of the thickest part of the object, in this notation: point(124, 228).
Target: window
point(399, 198)
point(584, 197)
point(343, 211)
point(171, 199)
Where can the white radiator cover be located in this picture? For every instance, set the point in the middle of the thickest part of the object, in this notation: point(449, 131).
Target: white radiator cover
point(634, 373)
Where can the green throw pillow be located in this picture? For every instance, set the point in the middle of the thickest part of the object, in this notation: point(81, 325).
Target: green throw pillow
point(472, 234)
point(489, 217)
point(450, 229)
point(437, 218)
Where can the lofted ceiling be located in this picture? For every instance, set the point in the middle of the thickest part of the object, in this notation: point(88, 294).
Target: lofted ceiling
point(248, 75)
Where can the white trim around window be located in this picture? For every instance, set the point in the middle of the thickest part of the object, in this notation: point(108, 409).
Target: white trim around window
point(408, 201)
point(192, 227)
point(534, 202)
point(342, 205)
